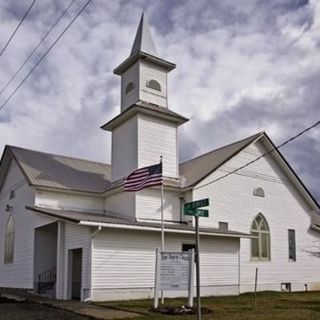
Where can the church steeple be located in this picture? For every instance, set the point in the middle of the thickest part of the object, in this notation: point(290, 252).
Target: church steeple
point(145, 129)
point(144, 73)
point(143, 41)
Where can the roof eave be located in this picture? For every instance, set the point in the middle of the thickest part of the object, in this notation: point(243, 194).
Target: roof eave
point(145, 56)
point(134, 109)
point(5, 162)
point(301, 188)
point(191, 186)
point(69, 191)
point(155, 229)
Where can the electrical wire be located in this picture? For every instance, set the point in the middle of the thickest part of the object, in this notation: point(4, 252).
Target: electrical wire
point(18, 26)
point(261, 156)
point(14, 187)
point(37, 46)
point(44, 55)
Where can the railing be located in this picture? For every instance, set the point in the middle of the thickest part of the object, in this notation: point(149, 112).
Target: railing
point(46, 280)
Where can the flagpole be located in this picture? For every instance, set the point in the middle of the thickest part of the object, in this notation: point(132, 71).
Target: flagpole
point(162, 223)
point(162, 220)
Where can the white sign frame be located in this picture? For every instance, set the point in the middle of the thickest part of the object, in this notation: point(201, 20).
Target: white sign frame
point(174, 271)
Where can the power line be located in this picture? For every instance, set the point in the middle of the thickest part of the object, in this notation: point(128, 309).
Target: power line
point(262, 156)
point(44, 55)
point(37, 46)
point(18, 26)
point(14, 187)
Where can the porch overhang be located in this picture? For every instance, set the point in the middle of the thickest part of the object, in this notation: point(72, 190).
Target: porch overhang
point(114, 221)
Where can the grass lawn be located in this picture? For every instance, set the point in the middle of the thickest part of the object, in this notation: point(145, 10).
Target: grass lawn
point(269, 305)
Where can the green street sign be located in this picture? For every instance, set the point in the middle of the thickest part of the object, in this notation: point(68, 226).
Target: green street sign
point(191, 208)
point(189, 212)
point(196, 204)
point(202, 213)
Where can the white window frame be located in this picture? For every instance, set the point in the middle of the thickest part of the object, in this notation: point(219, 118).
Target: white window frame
point(9, 241)
point(294, 259)
point(260, 232)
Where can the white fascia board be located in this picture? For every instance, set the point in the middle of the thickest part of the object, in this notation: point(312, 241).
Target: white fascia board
point(68, 191)
point(291, 174)
point(144, 228)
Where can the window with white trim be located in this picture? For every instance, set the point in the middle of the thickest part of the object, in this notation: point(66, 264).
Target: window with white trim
point(260, 246)
point(9, 241)
point(292, 244)
point(153, 84)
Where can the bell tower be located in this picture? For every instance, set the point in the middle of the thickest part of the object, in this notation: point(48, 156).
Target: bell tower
point(143, 73)
point(145, 129)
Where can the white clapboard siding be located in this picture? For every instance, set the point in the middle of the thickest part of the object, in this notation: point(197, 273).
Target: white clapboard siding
point(78, 237)
point(148, 205)
point(124, 148)
point(58, 200)
point(125, 262)
point(20, 272)
point(149, 71)
point(232, 201)
point(130, 75)
point(123, 203)
point(157, 137)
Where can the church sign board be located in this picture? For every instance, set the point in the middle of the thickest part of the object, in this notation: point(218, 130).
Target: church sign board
point(174, 271)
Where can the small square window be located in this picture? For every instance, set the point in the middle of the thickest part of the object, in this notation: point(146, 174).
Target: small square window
point(189, 246)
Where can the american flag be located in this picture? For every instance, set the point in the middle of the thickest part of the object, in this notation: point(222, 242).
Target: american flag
point(143, 178)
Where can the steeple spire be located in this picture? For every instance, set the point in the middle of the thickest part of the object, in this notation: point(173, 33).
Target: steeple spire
point(143, 41)
point(144, 73)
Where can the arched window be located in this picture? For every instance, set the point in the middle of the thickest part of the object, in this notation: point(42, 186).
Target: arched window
point(9, 241)
point(260, 246)
point(130, 87)
point(154, 84)
point(258, 192)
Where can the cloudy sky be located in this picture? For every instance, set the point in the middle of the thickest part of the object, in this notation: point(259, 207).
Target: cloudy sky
point(242, 66)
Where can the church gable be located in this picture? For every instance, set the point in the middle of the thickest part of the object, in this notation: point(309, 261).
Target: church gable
point(267, 185)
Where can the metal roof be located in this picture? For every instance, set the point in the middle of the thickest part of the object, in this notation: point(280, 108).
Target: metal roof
point(198, 168)
point(143, 48)
point(61, 172)
point(66, 173)
point(70, 174)
point(108, 218)
point(143, 40)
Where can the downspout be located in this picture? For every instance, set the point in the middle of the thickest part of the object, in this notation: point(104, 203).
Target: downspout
point(91, 240)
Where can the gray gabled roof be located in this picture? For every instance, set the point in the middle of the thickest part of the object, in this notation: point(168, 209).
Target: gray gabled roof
point(59, 172)
point(143, 40)
point(198, 168)
point(71, 174)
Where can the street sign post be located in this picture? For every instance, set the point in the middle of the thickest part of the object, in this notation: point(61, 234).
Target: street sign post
point(193, 209)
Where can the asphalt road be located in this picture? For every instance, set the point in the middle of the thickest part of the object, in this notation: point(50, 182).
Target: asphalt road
point(12, 310)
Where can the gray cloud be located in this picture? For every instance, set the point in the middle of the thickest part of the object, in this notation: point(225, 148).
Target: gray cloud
point(242, 66)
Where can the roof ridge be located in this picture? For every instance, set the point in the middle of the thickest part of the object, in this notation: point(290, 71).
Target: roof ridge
point(222, 147)
point(58, 155)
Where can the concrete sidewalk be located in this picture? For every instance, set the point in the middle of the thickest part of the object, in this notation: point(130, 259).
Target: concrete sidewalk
point(81, 308)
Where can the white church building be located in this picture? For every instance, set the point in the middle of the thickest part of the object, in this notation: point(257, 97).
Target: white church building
point(68, 229)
